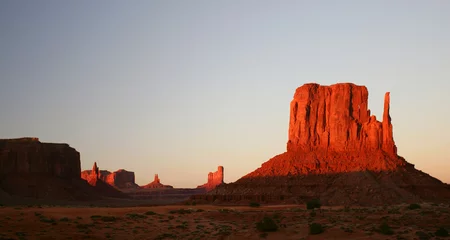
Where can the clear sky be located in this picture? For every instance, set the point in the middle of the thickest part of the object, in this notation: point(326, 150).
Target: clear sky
point(180, 87)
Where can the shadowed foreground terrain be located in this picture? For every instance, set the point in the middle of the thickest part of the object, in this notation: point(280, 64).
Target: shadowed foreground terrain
point(219, 222)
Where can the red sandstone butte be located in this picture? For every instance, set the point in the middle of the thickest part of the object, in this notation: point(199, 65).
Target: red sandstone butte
point(156, 184)
point(214, 179)
point(336, 152)
point(50, 171)
point(95, 179)
point(120, 179)
point(30, 156)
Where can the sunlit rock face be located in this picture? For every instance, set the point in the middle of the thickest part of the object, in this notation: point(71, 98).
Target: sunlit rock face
point(214, 179)
point(156, 184)
point(121, 178)
point(336, 152)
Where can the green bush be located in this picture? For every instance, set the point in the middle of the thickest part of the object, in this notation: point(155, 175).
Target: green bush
point(267, 224)
point(413, 206)
point(315, 228)
point(386, 229)
point(254, 204)
point(441, 232)
point(315, 203)
point(150, 213)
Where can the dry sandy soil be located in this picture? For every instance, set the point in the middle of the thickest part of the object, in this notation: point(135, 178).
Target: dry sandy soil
point(219, 222)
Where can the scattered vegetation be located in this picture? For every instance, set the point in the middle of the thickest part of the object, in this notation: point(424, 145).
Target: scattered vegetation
point(441, 232)
point(315, 203)
point(136, 216)
point(64, 219)
point(180, 211)
point(413, 206)
point(315, 228)
point(254, 204)
point(385, 229)
point(165, 236)
point(267, 224)
point(150, 213)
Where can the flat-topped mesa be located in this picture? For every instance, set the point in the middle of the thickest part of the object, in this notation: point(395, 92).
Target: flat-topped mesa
point(214, 179)
point(336, 118)
point(30, 156)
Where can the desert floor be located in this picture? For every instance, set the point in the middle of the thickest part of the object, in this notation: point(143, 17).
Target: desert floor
point(219, 222)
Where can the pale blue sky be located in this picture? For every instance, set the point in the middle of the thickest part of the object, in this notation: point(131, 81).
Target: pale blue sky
point(180, 87)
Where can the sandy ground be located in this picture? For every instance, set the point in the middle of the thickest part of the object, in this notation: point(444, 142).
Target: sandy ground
point(219, 222)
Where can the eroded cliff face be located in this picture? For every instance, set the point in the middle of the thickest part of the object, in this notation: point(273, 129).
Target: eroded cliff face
point(331, 131)
point(214, 179)
point(336, 152)
point(121, 178)
point(29, 156)
point(156, 183)
point(337, 119)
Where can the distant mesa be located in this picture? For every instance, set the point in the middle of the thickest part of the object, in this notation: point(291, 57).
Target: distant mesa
point(95, 179)
point(336, 152)
point(120, 179)
point(214, 179)
point(156, 184)
point(36, 170)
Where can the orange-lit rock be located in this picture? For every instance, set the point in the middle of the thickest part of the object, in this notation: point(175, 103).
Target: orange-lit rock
point(156, 184)
point(214, 179)
point(121, 178)
point(336, 152)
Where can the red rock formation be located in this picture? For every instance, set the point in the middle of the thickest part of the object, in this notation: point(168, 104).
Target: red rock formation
point(214, 179)
point(95, 179)
point(120, 179)
point(337, 152)
point(28, 155)
point(336, 119)
point(156, 184)
point(29, 168)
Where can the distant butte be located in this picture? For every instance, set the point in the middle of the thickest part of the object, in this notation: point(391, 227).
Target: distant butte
point(214, 179)
point(156, 184)
point(336, 152)
point(121, 179)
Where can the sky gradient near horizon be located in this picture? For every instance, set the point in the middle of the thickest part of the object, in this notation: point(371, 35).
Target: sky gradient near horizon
point(180, 87)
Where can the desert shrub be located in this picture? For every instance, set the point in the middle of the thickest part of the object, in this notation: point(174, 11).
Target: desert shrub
point(200, 210)
point(84, 226)
point(263, 235)
point(95, 217)
point(441, 232)
point(315, 228)
point(267, 224)
point(225, 210)
point(254, 204)
point(413, 206)
point(312, 213)
point(135, 215)
point(385, 229)
point(165, 236)
point(150, 213)
point(109, 219)
point(64, 219)
point(47, 220)
point(315, 203)
point(180, 211)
